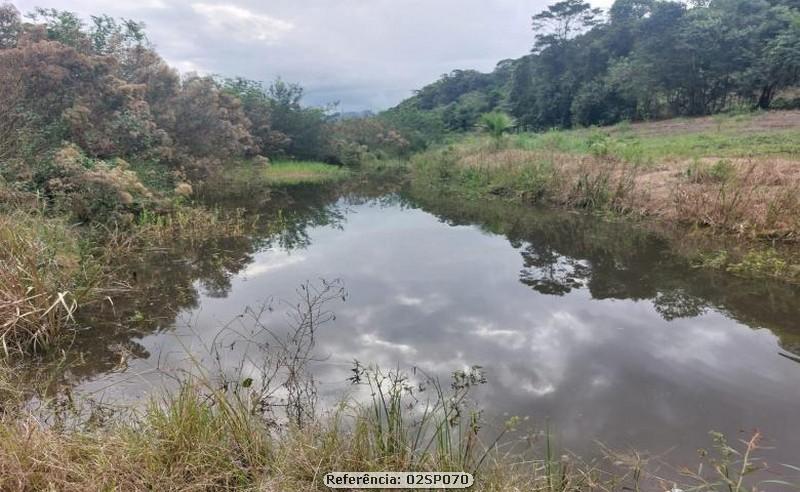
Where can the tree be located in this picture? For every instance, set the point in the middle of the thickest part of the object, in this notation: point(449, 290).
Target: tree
point(210, 121)
point(562, 20)
point(780, 64)
point(10, 26)
point(304, 126)
point(62, 26)
point(521, 98)
point(496, 124)
point(258, 107)
point(111, 37)
point(629, 11)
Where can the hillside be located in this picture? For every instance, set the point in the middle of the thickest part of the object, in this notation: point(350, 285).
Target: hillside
point(640, 60)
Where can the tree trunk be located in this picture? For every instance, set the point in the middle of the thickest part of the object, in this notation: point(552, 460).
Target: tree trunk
point(767, 93)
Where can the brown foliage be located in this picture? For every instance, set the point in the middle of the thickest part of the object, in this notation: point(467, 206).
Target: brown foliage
point(161, 82)
point(210, 122)
point(62, 87)
point(95, 190)
point(11, 91)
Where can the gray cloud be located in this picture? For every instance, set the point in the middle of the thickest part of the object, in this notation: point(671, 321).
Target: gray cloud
point(367, 54)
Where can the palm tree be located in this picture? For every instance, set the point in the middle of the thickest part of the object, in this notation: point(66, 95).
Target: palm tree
point(496, 124)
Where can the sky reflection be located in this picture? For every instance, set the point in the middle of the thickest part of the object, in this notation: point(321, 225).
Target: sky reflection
point(442, 297)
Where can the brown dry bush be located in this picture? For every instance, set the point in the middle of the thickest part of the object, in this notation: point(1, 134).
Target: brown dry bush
point(760, 198)
point(93, 190)
point(11, 90)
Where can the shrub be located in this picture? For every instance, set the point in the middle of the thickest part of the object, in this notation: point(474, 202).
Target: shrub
point(496, 124)
point(94, 190)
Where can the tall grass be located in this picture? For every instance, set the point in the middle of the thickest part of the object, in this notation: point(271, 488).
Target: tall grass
point(49, 268)
point(412, 430)
point(202, 437)
point(726, 179)
point(45, 272)
point(192, 223)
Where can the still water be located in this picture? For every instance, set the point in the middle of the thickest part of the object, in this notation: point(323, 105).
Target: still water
point(593, 327)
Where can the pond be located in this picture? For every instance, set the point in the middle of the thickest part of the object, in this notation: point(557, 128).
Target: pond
point(594, 328)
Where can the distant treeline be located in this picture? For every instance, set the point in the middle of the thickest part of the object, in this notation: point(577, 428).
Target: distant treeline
point(643, 59)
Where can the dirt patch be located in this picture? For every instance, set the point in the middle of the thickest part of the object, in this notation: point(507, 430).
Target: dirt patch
point(760, 122)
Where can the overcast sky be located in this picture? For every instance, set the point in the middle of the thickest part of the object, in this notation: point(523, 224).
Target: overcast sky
point(366, 54)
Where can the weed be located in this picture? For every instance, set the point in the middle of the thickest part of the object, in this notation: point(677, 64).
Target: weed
point(45, 272)
point(722, 171)
point(192, 223)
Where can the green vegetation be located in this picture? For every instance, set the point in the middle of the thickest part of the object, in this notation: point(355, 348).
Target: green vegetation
point(106, 151)
point(293, 173)
point(727, 176)
point(754, 263)
point(641, 60)
point(496, 124)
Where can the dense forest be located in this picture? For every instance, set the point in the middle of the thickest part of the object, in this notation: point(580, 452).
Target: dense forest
point(643, 59)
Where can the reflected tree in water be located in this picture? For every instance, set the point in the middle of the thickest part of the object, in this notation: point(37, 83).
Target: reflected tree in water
point(563, 252)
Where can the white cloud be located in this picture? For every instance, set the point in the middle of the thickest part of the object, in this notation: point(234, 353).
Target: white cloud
point(268, 263)
point(365, 54)
point(151, 4)
point(371, 340)
point(405, 300)
point(242, 23)
point(185, 66)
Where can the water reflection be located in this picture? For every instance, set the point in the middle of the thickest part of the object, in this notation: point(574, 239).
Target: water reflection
point(591, 324)
point(566, 251)
point(167, 281)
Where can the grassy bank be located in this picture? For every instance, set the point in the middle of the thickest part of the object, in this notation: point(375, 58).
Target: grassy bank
point(250, 182)
point(59, 248)
point(300, 172)
point(51, 267)
point(46, 270)
point(738, 176)
point(253, 175)
point(208, 437)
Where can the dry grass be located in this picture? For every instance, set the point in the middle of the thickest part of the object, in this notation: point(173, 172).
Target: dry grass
point(752, 197)
point(759, 198)
point(204, 438)
point(48, 268)
point(743, 123)
point(41, 280)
